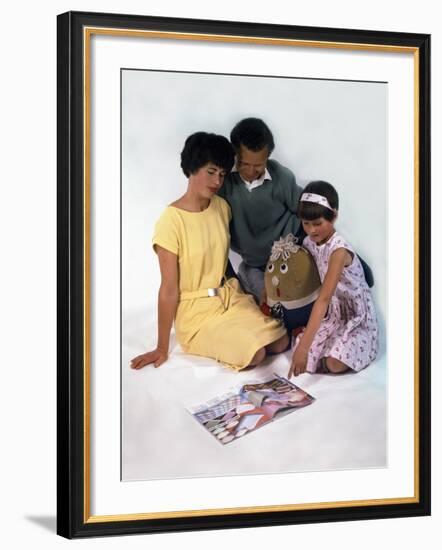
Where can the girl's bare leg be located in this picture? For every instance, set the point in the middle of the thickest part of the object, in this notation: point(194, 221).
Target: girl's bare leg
point(335, 366)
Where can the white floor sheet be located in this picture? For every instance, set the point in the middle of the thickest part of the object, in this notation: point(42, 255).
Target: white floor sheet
point(327, 129)
point(344, 428)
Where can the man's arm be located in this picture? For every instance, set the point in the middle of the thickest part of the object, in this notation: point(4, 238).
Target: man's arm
point(293, 193)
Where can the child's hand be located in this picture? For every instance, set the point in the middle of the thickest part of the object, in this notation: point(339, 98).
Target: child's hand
point(299, 362)
point(157, 357)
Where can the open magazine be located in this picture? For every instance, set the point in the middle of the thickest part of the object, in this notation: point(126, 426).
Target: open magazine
point(249, 406)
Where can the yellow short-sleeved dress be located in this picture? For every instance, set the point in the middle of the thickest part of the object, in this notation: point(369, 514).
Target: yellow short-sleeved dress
point(229, 327)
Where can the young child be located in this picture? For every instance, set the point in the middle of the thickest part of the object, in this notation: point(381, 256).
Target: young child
point(342, 331)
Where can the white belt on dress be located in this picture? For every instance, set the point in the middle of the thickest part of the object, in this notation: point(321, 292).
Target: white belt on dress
point(202, 293)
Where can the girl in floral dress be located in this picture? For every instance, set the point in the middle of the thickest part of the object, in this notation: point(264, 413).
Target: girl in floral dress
point(342, 331)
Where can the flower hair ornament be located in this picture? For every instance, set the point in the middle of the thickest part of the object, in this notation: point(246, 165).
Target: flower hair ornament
point(284, 247)
point(318, 199)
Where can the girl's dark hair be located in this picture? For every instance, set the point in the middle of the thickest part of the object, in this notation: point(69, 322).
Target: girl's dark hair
point(253, 133)
point(311, 210)
point(201, 148)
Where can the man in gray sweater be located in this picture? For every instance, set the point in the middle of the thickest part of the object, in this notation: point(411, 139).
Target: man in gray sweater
point(263, 196)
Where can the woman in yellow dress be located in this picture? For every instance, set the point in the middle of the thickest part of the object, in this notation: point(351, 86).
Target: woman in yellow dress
point(213, 318)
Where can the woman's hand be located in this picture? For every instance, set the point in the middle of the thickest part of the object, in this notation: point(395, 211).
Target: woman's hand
point(299, 361)
point(157, 357)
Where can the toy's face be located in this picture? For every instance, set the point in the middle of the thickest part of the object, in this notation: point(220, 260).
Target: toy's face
point(291, 279)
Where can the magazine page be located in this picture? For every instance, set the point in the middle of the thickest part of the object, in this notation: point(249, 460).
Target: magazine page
point(249, 406)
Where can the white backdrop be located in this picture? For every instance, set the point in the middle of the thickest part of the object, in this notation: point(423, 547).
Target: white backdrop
point(28, 275)
point(323, 129)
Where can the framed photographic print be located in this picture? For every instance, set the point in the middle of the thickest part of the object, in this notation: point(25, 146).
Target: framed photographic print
point(149, 114)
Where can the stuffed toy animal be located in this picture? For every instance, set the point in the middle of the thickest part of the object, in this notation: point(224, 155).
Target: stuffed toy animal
point(292, 283)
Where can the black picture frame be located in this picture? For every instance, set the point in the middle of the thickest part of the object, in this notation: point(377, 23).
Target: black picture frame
point(73, 508)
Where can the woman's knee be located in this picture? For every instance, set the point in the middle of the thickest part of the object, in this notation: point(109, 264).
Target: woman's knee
point(258, 357)
point(280, 345)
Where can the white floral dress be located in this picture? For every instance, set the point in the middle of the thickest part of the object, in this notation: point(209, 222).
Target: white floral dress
point(349, 332)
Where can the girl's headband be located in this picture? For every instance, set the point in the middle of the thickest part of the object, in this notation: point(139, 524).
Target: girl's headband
point(318, 199)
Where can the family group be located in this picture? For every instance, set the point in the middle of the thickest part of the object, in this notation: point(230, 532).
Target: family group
point(240, 198)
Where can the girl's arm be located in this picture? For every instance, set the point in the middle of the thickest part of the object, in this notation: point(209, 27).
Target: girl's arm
point(167, 305)
point(338, 260)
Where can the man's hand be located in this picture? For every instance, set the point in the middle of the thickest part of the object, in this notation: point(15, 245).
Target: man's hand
point(263, 297)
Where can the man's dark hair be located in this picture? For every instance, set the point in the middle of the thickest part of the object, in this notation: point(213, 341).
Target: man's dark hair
point(253, 133)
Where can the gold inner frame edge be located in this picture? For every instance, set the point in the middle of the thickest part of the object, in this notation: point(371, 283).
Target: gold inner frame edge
point(87, 33)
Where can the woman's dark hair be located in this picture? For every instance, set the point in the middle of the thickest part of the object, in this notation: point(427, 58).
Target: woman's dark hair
point(312, 210)
point(253, 133)
point(201, 148)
